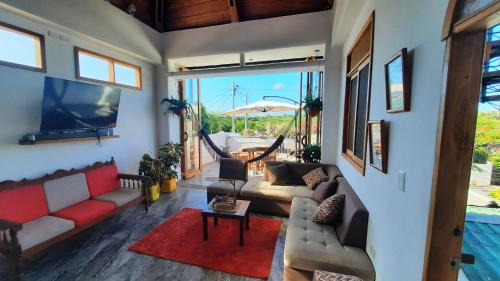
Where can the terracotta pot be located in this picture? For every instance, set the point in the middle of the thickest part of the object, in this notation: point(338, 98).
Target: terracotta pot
point(313, 111)
point(179, 111)
point(169, 185)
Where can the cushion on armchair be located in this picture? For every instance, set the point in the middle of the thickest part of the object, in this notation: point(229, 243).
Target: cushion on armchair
point(66, 191)
point(121, 196)
point(103, 180)
point(86, 212)
point(23, 204)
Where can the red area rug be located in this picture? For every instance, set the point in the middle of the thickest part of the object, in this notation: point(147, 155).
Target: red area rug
point(180, 238)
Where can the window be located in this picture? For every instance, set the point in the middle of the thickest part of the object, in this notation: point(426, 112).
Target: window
point(357, 97)
point(95, 67)
point(21, 48)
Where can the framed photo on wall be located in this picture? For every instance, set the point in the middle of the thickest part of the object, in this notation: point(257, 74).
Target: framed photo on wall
point(377, 139)
point(397, 82)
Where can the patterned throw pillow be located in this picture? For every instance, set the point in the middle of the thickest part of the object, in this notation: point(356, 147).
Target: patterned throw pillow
point(330, 210)
point(330, 276)
point(315, 177)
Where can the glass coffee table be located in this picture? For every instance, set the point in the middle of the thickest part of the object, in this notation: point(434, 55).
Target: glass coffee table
point(241, 213)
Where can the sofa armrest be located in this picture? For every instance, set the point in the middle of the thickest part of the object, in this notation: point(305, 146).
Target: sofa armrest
point(142, 183)
point(10, 246)
point(7, 225)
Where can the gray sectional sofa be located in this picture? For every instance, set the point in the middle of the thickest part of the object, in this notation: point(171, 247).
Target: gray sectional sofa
point(308, 246)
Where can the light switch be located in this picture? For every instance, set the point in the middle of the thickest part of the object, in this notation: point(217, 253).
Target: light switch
point(401, 180)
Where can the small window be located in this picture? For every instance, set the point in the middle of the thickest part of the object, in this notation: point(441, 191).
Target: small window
point(21, 48)
point(357, 98)
point(95, 67)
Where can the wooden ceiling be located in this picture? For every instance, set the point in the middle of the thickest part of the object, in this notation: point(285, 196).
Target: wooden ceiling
point(170, 15)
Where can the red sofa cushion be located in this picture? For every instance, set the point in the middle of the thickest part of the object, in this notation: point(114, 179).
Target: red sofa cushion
point(86, 212)
point(102, 180)
point(24, 204)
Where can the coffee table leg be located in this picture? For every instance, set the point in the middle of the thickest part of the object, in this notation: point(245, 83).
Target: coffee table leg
point(205, 227)
point(247, 219)
point(216, 220)
point(241, 231)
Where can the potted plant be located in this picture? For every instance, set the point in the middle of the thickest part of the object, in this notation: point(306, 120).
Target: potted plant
point(150, 167)
point(313, 106)
point(169, 157)
point(310, 154)
point(179, 107)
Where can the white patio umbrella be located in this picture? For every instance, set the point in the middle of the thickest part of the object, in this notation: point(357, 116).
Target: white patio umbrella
point(262, 106)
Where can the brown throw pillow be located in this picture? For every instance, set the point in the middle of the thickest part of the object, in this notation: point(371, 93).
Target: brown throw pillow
point(330, 210)
point(277, 174)
point(324, 190)
point(315, 177)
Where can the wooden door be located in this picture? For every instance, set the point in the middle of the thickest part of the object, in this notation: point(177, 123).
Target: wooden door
point(190, 126)
point(465, 34)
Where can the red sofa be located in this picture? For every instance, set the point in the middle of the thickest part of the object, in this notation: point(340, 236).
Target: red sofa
point(34, 214)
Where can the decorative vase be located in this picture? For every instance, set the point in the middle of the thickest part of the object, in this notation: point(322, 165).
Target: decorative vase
point(169, 185)
point(154, 192)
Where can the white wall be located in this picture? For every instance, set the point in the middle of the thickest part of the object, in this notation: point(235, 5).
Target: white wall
point(21, 101)
point(398, 219)
point(96, 21)
point(296, 30)
point(289, 31)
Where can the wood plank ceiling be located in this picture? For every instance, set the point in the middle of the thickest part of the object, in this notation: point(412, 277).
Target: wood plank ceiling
point(170, 15)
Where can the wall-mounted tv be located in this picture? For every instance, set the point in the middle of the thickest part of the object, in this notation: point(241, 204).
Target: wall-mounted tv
point(72, 105)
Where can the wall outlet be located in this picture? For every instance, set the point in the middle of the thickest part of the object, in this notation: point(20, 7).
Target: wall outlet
point(401, 180)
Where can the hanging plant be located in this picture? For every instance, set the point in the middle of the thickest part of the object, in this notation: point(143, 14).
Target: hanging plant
point(179, 107)
point(313, 106)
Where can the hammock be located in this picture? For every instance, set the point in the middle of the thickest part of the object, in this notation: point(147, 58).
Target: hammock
point(217, 153)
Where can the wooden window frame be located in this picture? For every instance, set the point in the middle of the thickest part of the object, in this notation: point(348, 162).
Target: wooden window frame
point(111, 69)
point(353, 71)
point(39, 57)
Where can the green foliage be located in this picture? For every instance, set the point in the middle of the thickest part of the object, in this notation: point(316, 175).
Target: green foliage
point(169, 157)
point(488, 127)
point(177, 106)
point(149, 167)
point(309, 102)
point(271, 126)
point(495, 160)
point(480, 155)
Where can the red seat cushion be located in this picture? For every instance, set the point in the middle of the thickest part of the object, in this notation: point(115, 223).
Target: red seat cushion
point(102, 180)
point(24, 204)
point(85, 212)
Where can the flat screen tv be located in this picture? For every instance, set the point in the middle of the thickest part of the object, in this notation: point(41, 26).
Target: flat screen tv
point(71, 105)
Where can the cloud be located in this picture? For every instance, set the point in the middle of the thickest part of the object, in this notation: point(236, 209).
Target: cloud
point(278, 86)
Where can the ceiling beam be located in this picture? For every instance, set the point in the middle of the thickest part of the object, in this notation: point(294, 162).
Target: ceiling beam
point(233, 11)
point(159, 11)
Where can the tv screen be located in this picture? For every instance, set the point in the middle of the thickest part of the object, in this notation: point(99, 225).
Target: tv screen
point(72, 105)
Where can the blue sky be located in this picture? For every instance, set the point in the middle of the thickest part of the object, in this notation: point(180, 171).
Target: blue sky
point(216, 92)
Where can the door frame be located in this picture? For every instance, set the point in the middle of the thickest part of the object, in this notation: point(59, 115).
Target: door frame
point(461, 87)
point(186, 174)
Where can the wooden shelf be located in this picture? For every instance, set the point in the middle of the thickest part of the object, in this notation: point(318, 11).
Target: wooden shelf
point(25, 142)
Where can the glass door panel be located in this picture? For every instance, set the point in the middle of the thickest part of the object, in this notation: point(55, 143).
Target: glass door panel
point(190, 128)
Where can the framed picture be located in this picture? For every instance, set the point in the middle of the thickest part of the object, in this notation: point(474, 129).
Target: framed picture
point(397, 83)
point(377, 138)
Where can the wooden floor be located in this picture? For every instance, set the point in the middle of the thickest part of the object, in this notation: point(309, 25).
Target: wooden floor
point(100, 253)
